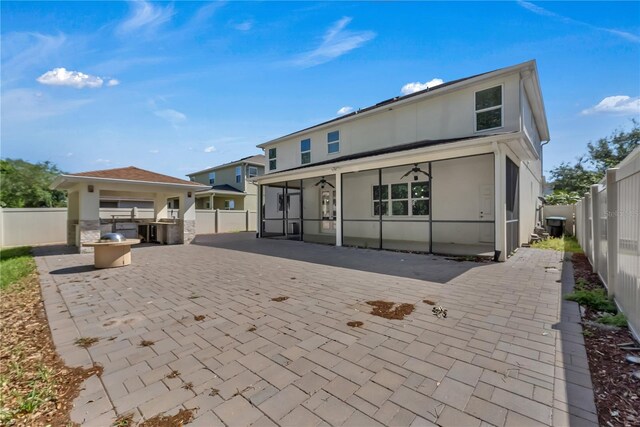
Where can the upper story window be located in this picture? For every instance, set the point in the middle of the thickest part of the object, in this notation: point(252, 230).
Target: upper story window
point(333, 141)
point(238, 174)
point(212, 177)
point(252, 171)
point(272, 158)
point(305, 151)
point(192, 178)
point(489, 108)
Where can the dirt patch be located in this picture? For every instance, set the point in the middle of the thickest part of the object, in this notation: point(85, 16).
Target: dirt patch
point(86, 342)
point(428, 301)
point(279, 299)
point(178, 420)
point(37, 388)
point(199, 317)
point(615, 389)
point(125, 420)
point(355, 324)
point(391, 310)
point(173, 374)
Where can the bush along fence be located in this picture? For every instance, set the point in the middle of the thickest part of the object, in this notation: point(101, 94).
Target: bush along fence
point(608, 229)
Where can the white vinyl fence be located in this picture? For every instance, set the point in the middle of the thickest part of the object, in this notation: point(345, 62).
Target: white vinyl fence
point(45, 226)
point(608, 229)
point(225, 221)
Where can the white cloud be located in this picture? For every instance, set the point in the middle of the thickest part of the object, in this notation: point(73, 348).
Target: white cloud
point(417, 86)
point(243, 26)
point(336, 42)
point(619, 104)
point(344, 110)
point(103, 161)
point(172, 116)
point(62, 77)
point(113, 82)
point(69, 154)
point(210, 149)
point(145, 15)
point(154, 151)
point(544, 12)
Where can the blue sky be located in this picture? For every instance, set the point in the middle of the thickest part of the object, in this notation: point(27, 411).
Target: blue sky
point(178, 87)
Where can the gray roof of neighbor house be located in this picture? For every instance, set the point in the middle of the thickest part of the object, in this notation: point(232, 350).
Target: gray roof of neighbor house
point(257, 160)
point(528, 64)
point(222, 189)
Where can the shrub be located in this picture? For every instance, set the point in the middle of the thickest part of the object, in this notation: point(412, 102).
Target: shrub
point(619, 320)
point(595, 299)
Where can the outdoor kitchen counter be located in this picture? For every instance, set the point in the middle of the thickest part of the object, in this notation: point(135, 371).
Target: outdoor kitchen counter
point(112, 254)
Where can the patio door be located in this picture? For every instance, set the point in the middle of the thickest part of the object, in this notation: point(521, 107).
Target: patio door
point(486, 213)
point(328, 210)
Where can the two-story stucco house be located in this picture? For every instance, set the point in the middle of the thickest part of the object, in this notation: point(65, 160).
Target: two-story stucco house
point(231, 184)
point(454, 169)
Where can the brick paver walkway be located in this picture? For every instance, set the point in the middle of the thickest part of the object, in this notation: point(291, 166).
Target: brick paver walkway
point(510, 351)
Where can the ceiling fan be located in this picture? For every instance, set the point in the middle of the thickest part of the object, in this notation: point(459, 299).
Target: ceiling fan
point(415, 170)
point(324, 182)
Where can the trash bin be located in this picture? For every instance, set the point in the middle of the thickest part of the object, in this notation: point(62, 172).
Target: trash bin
point(555, 224)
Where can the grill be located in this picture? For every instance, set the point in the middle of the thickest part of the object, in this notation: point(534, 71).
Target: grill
point(112, 237)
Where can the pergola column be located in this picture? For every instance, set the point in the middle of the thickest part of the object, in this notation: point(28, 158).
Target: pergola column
point(188, 216)
point(88, 215)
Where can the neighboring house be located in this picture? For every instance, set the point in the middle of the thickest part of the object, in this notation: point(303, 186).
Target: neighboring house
point(454, 169)
point(231, 185)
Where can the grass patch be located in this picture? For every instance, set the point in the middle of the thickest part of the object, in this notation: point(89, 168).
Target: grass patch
point(619, 320)
point(564, 243)
point(15, 263)
point(596, 299)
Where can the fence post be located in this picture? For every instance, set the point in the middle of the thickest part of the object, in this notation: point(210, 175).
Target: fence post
point(612, 231)
point(595, 226)
point(217, 220)
point(246, 222)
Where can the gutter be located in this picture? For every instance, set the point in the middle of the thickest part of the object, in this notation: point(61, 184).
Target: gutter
point(61, 179)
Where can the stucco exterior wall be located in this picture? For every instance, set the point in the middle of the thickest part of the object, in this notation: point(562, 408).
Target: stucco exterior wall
point(450, 115)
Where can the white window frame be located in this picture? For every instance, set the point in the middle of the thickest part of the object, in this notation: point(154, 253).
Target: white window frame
point(274, 159)
point(333, 142)
point(238, 174)
point(305, 152)
point(230, 204)
point(410, 199)
point(212, 177)
point(501, 106)
point(251, 174)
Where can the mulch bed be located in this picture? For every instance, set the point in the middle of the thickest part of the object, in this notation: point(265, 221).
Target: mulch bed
point(30, 364)
point(617, 393)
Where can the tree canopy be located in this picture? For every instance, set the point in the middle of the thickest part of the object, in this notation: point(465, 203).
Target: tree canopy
point(26, 185)
point(572, 181)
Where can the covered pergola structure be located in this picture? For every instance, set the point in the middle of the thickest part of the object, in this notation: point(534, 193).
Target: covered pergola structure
point(86, 189)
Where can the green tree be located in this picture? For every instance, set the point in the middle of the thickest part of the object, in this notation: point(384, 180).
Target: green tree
point(590, 168)
point(26, 185)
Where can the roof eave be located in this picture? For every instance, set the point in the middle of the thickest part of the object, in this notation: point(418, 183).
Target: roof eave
point(60, 180)
point(226, 165)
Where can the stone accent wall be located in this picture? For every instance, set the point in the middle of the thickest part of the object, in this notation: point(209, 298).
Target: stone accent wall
point(71, 232)
point(89, 232)
point(189, 231)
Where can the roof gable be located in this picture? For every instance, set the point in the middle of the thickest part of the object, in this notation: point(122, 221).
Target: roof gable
point(132, 173)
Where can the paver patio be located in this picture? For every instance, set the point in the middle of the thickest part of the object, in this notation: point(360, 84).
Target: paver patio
point(510, 351)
